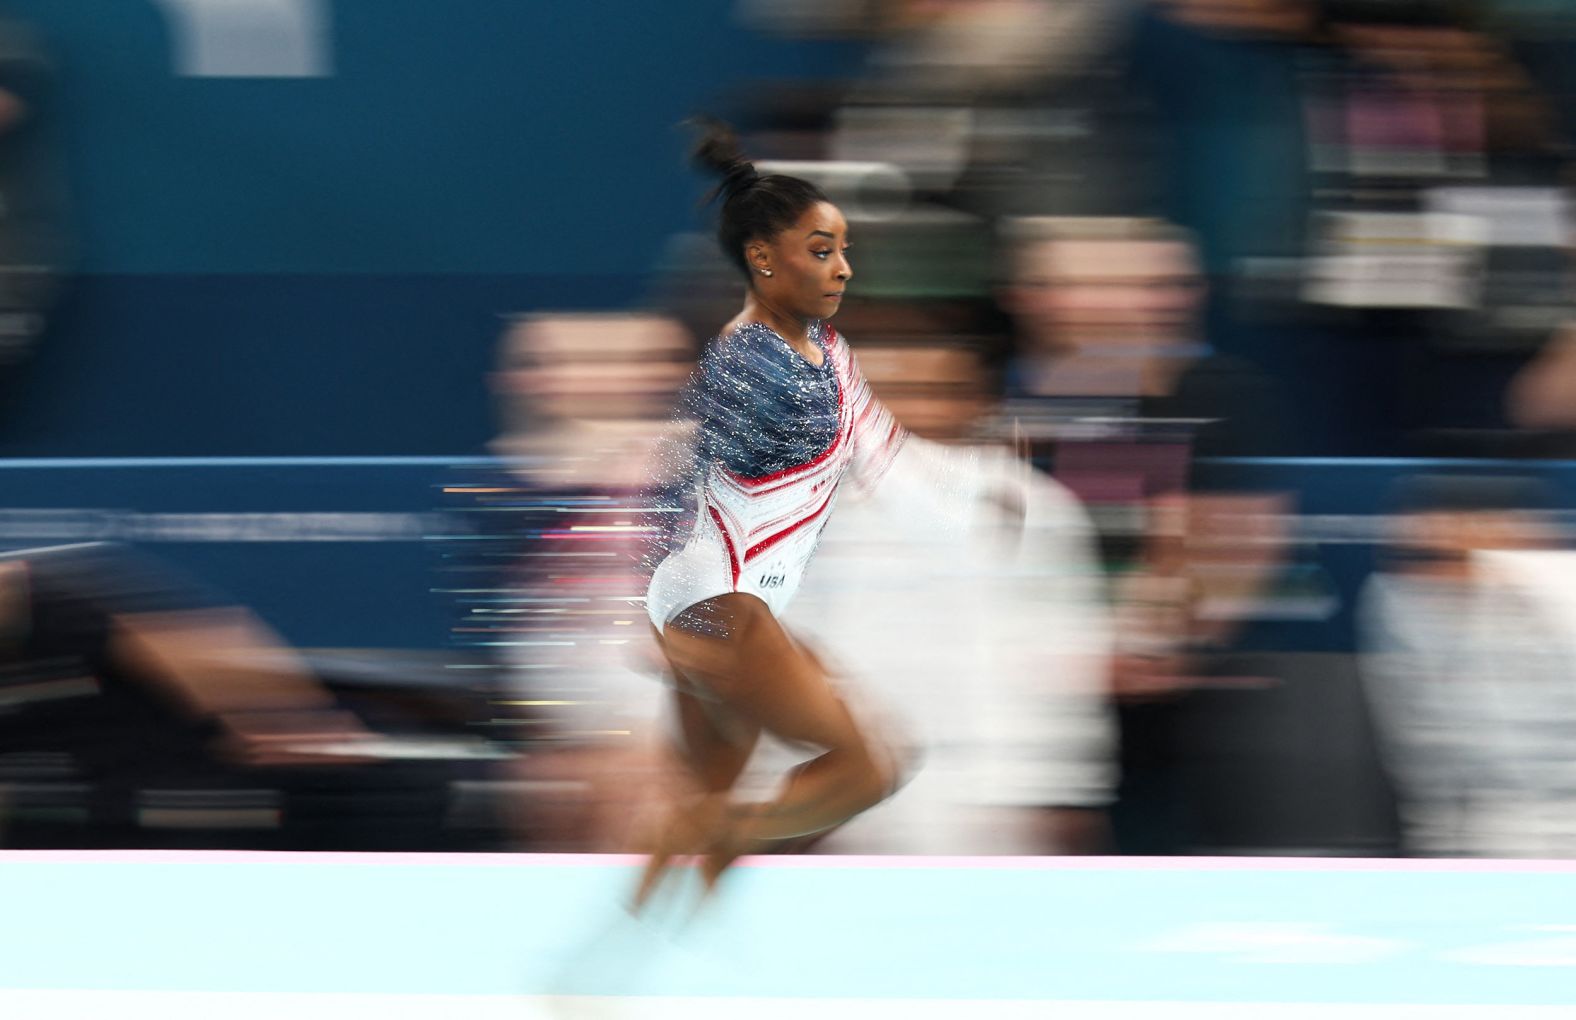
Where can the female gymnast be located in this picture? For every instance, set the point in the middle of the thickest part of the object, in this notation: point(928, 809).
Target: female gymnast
point(783, 418)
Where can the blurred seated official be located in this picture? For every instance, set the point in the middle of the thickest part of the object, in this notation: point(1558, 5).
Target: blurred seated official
point(138, 709)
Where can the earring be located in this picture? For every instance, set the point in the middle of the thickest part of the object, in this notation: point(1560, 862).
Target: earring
point(766, 272)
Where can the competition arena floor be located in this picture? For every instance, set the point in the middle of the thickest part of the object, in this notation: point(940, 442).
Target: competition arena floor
point(411, 937)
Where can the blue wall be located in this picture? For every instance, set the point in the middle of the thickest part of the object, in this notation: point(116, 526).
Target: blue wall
point(316, 265)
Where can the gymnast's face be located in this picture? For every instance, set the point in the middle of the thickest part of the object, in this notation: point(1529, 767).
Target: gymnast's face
point(808, 263)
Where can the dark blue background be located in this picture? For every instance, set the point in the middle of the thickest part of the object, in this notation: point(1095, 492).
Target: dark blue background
point(317, 266)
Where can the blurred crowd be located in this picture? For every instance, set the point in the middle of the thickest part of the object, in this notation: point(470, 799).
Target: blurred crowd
point(1126, 251)
point(1143, 247)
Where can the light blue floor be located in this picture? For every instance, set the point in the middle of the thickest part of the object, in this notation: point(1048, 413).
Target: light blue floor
point(542, 926)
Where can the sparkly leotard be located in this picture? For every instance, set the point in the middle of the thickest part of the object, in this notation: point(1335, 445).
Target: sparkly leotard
point(776, 437)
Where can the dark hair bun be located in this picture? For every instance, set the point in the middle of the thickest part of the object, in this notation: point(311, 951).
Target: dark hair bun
point(718, 153)
point(753, 206)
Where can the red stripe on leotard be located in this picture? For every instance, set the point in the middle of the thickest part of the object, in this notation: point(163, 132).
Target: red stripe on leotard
point(733, 557)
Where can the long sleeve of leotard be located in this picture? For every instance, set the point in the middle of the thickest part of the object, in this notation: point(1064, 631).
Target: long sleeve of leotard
point(877, 435)
point(724, 401)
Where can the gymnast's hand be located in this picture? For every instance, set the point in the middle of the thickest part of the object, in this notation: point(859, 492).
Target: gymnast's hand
point(703, 826)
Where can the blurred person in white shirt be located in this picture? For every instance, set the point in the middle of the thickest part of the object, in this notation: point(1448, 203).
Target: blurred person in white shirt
point(990, 641)
point(1470, 670)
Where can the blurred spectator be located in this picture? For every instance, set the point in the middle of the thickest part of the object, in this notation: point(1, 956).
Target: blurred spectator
point(1468, 660)
point(1119, 398)
point(938, 390)
point(1007, 700)
point(550, 586)
point(579, 396)
point(1110, 368)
